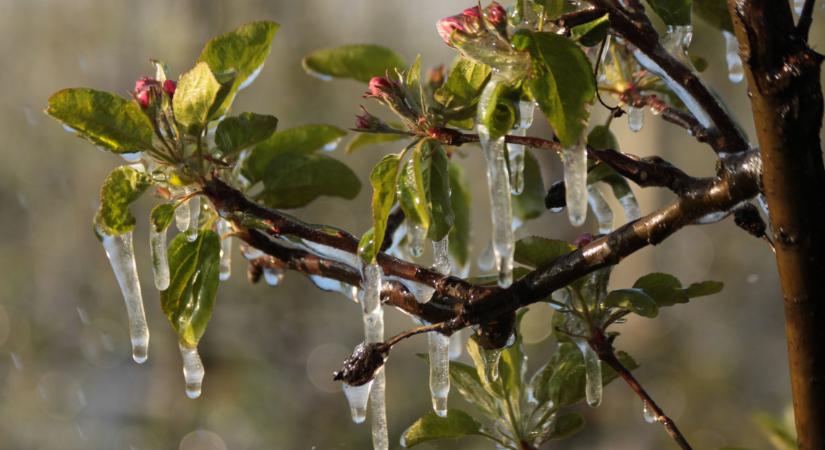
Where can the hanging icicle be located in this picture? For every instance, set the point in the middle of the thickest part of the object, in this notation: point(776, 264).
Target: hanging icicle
point(195, 210)
point(224, 228)
point(575, 182)
point(601, 210)
point(439, 344)
point(193, 370)
point(516, 151)
point(121, 254)
point(593, 373)
point(736, 72)
point(182, 215)
point(160, 261)
point(630, 206)
point(635, 118)
point(373, 318)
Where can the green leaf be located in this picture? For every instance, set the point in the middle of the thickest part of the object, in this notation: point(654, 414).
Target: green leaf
point(530, 203)
point(591, 33)
point(562, 83)
point(634, 300)
point(361, 140)
point(466, 381)
point(295, 179)
point(162, 216)
point(104, 119)
point(460, 201)
point(189, 299)
point(664, 288)
point(383, 181)
point(714, 13)
point(412, 85)
point(358, 62)
point(567, 425)
point(121, 188)
point(536, 251)
point(243, 131)
point(306, 139)
point(240, 52)
point(194, 97)
point(601, 138)
point(413, 186)
point(672, 12)
point(478, 355)
point(704, 288)
point(498, 111)
point(459, 94)
point(431, 427)
point(441, 209)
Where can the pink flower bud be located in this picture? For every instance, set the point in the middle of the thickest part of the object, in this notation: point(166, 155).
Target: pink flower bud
point(143, 99)
point(169, 87)
point(456, 29)
point(367, 121)
point(447, 27)
point(143, 90)
point(497, 16)
point(583, 240)
point(382, 87)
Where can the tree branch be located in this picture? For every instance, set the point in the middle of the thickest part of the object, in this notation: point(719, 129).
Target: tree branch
point(803, 26)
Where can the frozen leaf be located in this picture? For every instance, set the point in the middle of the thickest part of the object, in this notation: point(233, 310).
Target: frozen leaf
point(194, 97)
point(358, 62)
point(243, 131)
point(431, 427)
point(121, 188)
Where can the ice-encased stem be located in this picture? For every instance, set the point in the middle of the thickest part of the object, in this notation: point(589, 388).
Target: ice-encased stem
point(516, 151)
point(593, 373)
point(224, 228)
point(600, 208)
point(648, 413)
point(121, 254)
point(160, 262)
point(378, 414)
point(182, 215)
point(373, 317)
point(194, 221)
point(193, 370)
point(635, 118)
point(736, 72)
point(439, 351)
point(575, 182)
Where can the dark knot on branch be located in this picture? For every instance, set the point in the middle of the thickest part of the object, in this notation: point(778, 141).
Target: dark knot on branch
point(360, 367)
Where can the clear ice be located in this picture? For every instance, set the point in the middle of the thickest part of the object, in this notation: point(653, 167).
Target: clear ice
point(193, 371)
point(593, 373)
point(160, 261)
point(224, 228)
point(600, 208)
point(736, 72)
point(516, 151)
point(575, 182)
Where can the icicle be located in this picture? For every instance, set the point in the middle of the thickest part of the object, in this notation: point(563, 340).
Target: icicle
point(600, 208)
point(380, 436)
point(439, 346)
point(516, 151)
point(575, 182)
point(121, 256)
point(635, 118)
point(160, 262)
point(631, 207)
point(441, 256)
point(250, 253)
point(763, 204)
point(487, 259)
point(273, 276)
point(491, 359)
point(223, 229)
point(192, 370)
point(456, 345)
point(648, 413)
point(195, 209)
point(358, 396)
point(593, 373)
point(182, 211)
point(132, 157)
point(797, 6)
point(416, 234)
point(736, 72)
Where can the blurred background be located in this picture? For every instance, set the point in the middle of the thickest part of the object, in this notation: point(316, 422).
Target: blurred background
point(66, 377)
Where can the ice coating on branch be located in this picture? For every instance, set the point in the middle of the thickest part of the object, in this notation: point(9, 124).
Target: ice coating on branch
point(635, 118)
point(357, 397)
point(195, 209)
point(631, 207)
point(600, 208)
point(648, 413)
point(193, 371)
point(273, 276)
point(327, 252)
point(516, 151)
point(439, 350)
point(456, 345)
point(250, 253)
point(121, 256)
point(763, 204)
point(416, 234)
point(224, 228)
point(182, 211)
point(131, 157)
point(250, 78)
point(593, 373)
point(441, 256)
point(736, 71)
point(380, 436)
point(575, 182)
point(160, 261)
point(331, 285)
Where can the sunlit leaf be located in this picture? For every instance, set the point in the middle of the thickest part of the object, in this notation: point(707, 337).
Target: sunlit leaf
point(121, 188)
point(359, 62)
point(431, 427)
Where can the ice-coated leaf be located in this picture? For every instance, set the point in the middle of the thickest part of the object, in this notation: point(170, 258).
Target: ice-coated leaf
point(536, 251)
point(243, 131)
point(383, 181)
point(105, 119)
point(634, 300)
point(358, 62)
point(194, 97)
point(122, 186)
point(530, 203)
point(567, 425)
point(561, 83)
point(361, 140)
point(459, 94)
point(466, 381)
point(672, 12)
point(441, 210)
point(162, 216)
point(497, 108)
point(305, 139)
point(413, 186)
point(194, 268)
point(240, 52)
point(431, 427)
point(460, 201)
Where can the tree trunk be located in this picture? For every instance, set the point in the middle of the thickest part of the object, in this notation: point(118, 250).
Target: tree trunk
point(783, 83)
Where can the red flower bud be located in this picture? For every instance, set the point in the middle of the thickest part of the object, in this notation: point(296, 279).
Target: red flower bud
point(169, 87)
point(143, 98)
point(583, 240)
point(382, 87)
point(497, 16)
point(143, 89)
point(455, 29)
point(367, 121)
